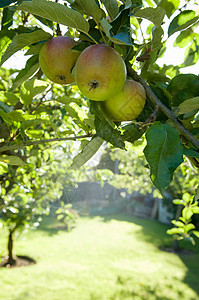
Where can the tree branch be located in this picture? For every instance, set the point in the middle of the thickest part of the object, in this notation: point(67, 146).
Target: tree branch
point(167, 112)
point(32, 143)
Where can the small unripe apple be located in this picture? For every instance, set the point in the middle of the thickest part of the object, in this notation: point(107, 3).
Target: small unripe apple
point(127, 104)
point(57, 59)
point(100, 72)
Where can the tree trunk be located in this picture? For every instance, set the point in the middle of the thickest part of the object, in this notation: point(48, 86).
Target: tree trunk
point(11, 259)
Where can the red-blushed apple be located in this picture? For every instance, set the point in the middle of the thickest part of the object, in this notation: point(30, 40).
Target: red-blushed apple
point(57, 59)
point(100, 72)
point(127, 104)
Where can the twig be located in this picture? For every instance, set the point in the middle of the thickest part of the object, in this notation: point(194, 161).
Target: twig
point(32, 143)
point(167, 112)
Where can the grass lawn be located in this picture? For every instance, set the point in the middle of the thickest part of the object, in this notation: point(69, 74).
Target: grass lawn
point(112, 258)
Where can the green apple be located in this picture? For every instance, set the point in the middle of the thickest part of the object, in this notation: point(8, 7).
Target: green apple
point(127, 104)
point(57, 59)
point(100, 72)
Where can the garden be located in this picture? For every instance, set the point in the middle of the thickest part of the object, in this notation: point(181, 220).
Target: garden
point(99, 149)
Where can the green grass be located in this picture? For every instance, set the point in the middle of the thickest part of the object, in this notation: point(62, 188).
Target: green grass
point(112, 258)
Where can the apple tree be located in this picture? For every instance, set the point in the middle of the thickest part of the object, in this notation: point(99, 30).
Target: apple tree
point(137, 33)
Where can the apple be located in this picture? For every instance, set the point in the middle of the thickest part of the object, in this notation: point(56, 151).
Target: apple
point(127, 104)
point(100, 72)
point(57, 59)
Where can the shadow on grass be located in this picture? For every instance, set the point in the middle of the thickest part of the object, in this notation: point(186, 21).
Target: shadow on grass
point(51, 226)
point(127, 289)
point(155, 233)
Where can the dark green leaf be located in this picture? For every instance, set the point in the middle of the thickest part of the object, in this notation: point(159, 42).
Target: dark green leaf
point(131, 133)
point(183, 87)
point(105, 128)
point(111, 7)
point(89, 8)
point(5, 106)
point(123, 37)
point(163, 152)
point(22, 40)
point(5, 3)
point(169, 6)
point(190, 152)
point(55, 12)
point(155, 15)
point(182, 21)
point(7, 18)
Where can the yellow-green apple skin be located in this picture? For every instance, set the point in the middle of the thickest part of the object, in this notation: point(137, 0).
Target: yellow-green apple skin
point(100, 72)
point(127, 104)
point(57, 59)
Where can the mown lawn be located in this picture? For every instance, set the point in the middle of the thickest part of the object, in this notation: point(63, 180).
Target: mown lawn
point(114, 258)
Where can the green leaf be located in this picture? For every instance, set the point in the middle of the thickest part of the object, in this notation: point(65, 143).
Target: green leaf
point(195, 210)
point(190, 152)
point(19, 116)
point(90, 149)
point(22, 40)
point(196, 233)
point(123, 37)
point(189, 227)
point(31, 67)
point(169, 6)
point(8, 98)
point(187, 213)
point(5, 117)
point(55, 12)
point(183, 87)
point(5, 107)
point(179, 202)
point(30, 89)
point(155, 15)
point(6, 37)
point(132, 133)
point(12, 160)
point(3, 168)
point(175, 231)
point(34, 133)
point(111, 7)
point(163, 153)
point(59, 217)
point(89, 8)
point(185, 19)
point(34, 49)
point(189, 105)
point(105, 128)
point(178, 223)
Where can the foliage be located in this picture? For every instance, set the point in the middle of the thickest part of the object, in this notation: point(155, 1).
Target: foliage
point(66, 215)
point(35, 112)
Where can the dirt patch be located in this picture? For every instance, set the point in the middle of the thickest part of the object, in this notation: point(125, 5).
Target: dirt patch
point(20, 261)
